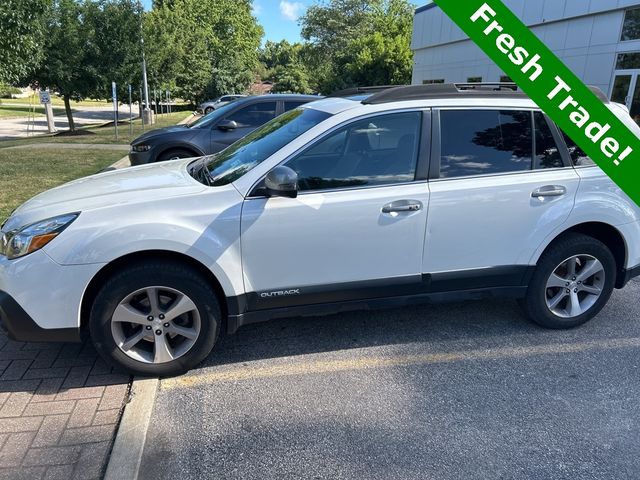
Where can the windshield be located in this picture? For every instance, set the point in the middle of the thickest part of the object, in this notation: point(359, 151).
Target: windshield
point(245, 154)
point(218, 114)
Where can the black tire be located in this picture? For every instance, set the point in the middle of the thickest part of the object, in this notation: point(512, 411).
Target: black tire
point(570, 245)
point(175, 153)
point(208, 110)
point(155, 273)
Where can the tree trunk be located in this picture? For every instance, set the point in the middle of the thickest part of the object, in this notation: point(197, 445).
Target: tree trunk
point(67, 108)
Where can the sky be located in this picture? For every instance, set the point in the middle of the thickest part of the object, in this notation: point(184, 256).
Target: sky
point(279, 18)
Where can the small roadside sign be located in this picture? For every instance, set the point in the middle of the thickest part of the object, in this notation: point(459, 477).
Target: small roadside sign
point(45, 97)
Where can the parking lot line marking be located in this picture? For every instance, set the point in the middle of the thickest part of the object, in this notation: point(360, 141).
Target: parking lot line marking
point(331, 366)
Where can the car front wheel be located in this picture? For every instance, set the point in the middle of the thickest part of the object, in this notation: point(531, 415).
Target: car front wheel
point(573, 281)
point(157, 318)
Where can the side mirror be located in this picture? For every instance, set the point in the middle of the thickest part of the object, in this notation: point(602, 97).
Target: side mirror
point(227, 125)
point(281, 182)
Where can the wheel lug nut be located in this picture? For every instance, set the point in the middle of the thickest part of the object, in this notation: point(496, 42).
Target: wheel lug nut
point(158, 332)
point(574, 278)
point(568, 284)
point(575, 291)
point(161, 316)
point(150, 318)
point(568, 291)
point(148, 327)
point(166, 325)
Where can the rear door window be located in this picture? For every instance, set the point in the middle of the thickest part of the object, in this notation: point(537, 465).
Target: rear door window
point(291, 105)
point(484, 142)
point(547, 151)
point(255, 114)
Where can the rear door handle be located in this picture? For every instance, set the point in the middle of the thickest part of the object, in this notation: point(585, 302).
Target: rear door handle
point(549, 191)
point(402, 206)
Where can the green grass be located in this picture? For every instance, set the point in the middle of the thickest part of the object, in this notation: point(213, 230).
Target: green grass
point(15, 111)
point(101, 134)
point(26, 172)
point(55, 100)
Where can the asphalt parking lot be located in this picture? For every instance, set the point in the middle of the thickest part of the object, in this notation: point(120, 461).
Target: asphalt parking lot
point(466, 390)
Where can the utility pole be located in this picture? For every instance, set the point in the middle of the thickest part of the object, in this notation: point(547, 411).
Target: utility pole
point(141, 111)
point(130, 114)
point(147, 116)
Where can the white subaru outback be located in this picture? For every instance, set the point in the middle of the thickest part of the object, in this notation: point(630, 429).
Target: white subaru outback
point(410, 194)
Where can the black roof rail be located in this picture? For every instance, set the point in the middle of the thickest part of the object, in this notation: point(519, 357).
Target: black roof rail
point(442, 90)
point(349, 92)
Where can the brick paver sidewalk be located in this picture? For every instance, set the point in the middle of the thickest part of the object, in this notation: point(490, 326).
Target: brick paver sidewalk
point(59, 410)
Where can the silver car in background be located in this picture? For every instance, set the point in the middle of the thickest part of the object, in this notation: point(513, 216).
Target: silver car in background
point(210, 105)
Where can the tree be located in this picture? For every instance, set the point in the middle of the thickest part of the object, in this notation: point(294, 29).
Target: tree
point(66, 66)
point(115, 26)
point(22, 34)
point(285, 67)
point(88, 46)
point(358, 42)
point(202, 48)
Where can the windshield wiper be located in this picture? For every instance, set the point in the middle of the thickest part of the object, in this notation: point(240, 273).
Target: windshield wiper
point(205, 173)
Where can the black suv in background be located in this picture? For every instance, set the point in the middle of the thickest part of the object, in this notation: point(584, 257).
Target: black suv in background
point(213, 132)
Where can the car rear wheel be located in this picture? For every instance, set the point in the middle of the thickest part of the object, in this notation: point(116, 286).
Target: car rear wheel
point(573, 281)
point(157, 318)
point(175, 154)
point(208, 110)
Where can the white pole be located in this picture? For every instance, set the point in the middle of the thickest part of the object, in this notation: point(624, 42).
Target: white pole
point(130, 114)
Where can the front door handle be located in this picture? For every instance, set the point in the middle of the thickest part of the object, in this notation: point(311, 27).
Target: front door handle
point(402, 206)
point(549, 191)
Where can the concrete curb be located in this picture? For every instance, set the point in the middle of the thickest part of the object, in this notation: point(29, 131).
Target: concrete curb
point(128, 447)
point(122, 163)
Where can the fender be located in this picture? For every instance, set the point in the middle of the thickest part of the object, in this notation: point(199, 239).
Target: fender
point(180, 144)
point(203, 226)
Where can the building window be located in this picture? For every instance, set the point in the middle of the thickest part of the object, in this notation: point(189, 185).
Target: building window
point(474, 80)
point(631, 26)
point(431, 82)
point(628, 61)
point(505, 79)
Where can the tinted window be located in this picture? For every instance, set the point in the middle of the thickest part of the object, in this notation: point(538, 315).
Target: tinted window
point(212, 118)
point(291, 105)
point(547, 151)
point(631, 27)
point(481, 142)
point(578, 157)
point(628, 61)
point(236, 160)
point(254, 115)
point(375, 151)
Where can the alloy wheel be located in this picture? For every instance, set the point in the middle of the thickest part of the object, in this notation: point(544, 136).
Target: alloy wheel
point(575, 286)
point(156, 324)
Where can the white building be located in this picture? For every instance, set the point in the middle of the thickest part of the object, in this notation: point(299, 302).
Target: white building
point(598, 39)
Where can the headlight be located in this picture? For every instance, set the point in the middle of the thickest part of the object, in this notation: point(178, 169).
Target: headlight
point(140, 148)
point(26, 240)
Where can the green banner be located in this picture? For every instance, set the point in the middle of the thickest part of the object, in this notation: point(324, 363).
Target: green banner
point(557, 91)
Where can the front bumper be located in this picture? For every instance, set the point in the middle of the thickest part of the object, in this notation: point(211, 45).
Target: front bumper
point(20, 326)
point(40, 300)
point(141, 158)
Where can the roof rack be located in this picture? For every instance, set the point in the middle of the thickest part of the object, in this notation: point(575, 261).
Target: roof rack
point(349, 92)
point(444, 90)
